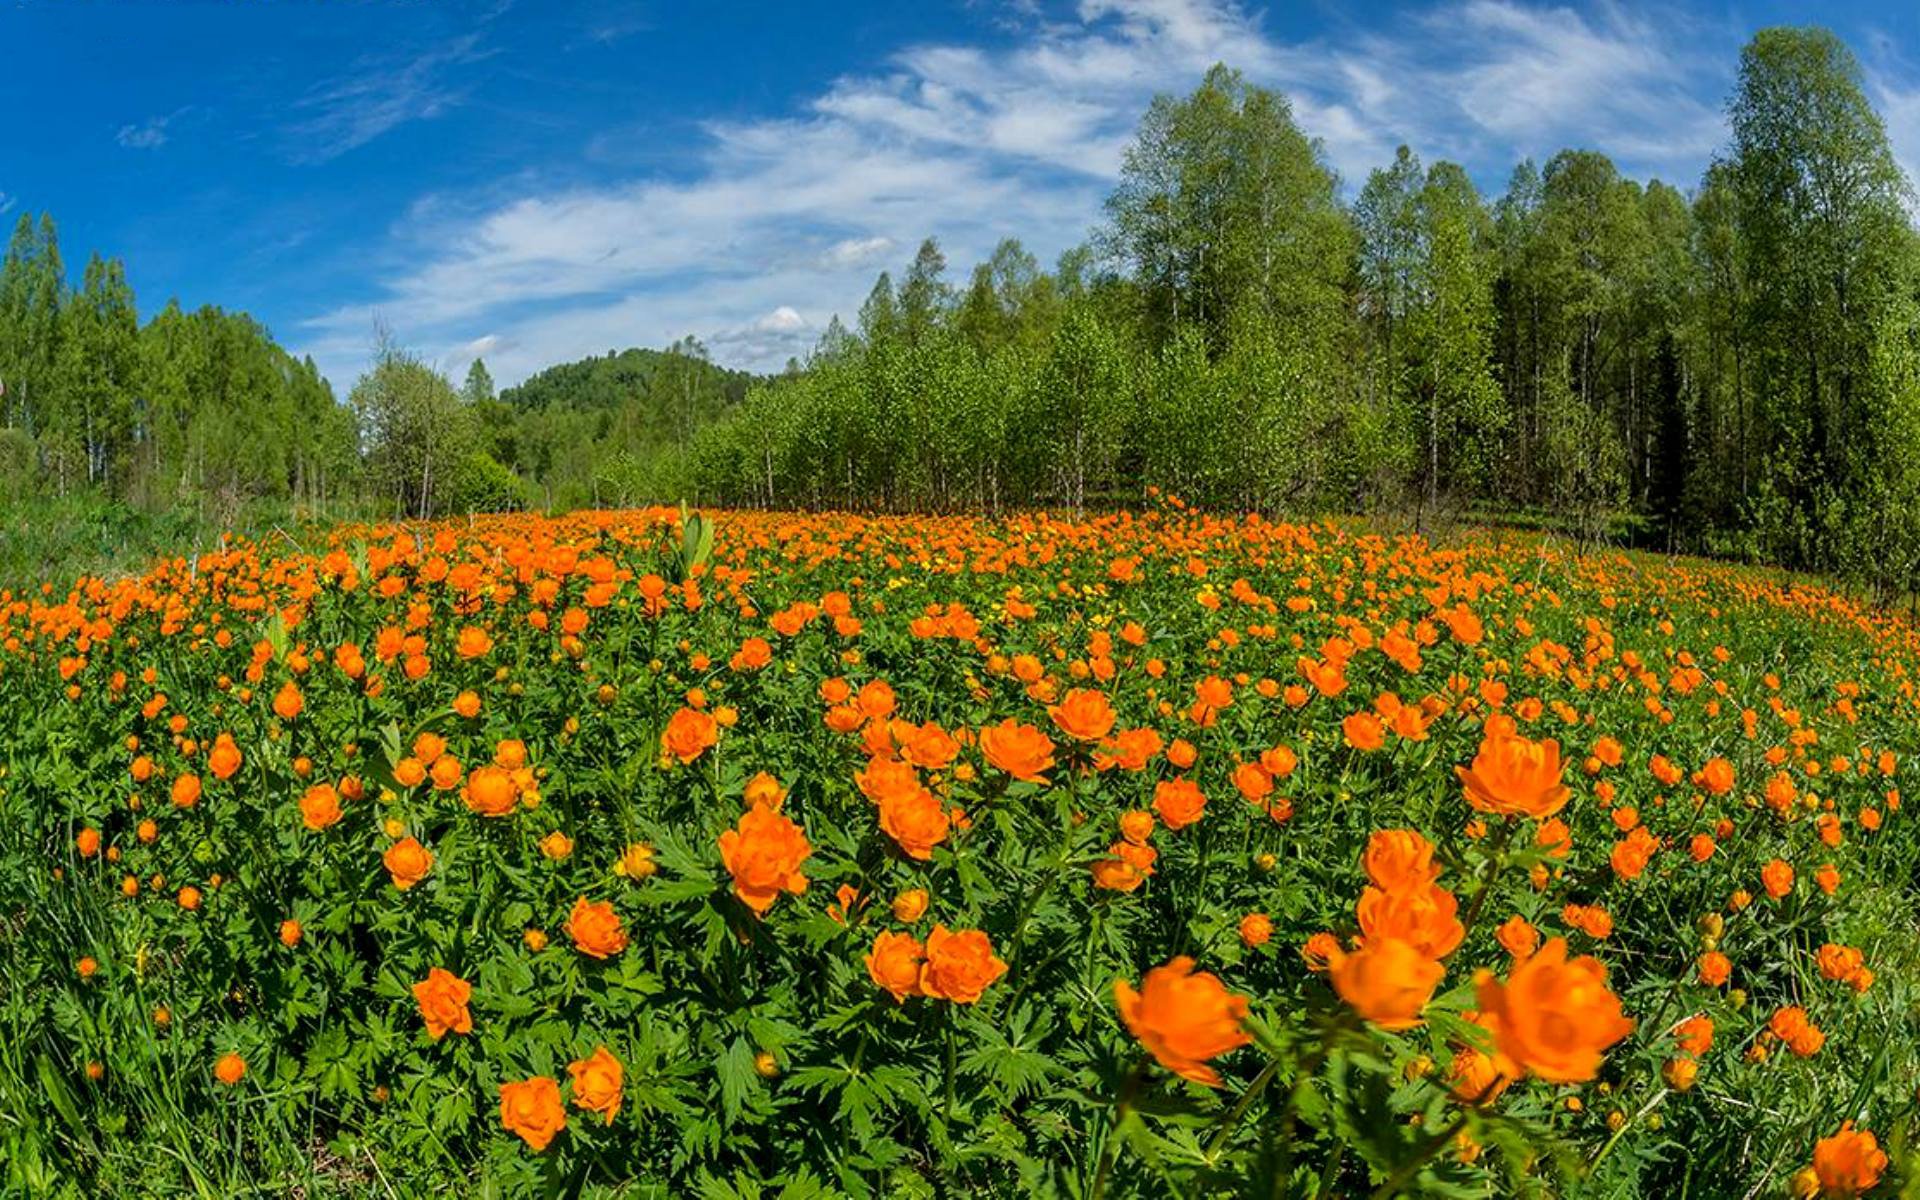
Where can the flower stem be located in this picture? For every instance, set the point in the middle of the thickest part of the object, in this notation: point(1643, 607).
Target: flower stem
point(1411, 1167)
point(1128, 1090)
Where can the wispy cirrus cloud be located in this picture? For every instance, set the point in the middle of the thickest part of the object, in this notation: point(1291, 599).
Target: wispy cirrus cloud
point(150, 134)
point(380, 93)
point(778, 224)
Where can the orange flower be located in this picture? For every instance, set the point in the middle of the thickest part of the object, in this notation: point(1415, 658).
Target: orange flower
point(1256, 929)
point(960, 966)
point(1364, 731)
point(320, 807)
point(1319, 951)
point(445, 773)
point(1517, 936)
point(1386, 981)
point(1475, 1077)
point(1849, 1163)
point(909, 906)
point(915, 821)
point(595, 929)
point(1555, 1017)
point(1695, 1035)
point(1399, 860)
point(1680, 1073)
point(894, 963)
point(763, 788)
point(225, 758)
point(688, 735)
point(186, 791)
point(1253, 781)
point(87, 843)
point(1020, 750)
point(288, 702)
point(1083, 715)
point(1128, 867)
point(1424, 918)
point(1716, 777)
point(532, 1109)
point(1715, 968)
point(490, 791)
point(443, 997)
point(1777, 878)
point(1512, 776)
point(1179, 802)
point(290, 933)
point(1183, 1018)
point(764, 854)
point(1632, 853)
point(597, 1081)
point(473, 642)
point(409, 772)
point(408, 862)
point(231, 1068)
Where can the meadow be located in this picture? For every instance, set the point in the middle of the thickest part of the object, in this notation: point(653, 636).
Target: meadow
point(755, 854)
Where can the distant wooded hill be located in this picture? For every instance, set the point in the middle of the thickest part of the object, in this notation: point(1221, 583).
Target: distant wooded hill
point(593, 431)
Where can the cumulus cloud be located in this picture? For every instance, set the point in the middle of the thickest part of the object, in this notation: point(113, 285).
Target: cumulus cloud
point(972, 143)
point(854, 252)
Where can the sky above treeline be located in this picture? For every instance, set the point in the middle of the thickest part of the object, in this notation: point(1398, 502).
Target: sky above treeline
point(534, 182)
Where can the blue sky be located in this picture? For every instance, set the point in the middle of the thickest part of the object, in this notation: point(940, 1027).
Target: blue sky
point(539, 180)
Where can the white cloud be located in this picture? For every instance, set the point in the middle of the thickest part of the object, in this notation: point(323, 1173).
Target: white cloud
point(781, 320)
point(1899, 105)
point(854, 252)
point(155, 131)
point(7, 202)
point(971, 144)
point(380, 93)
point(150, 134)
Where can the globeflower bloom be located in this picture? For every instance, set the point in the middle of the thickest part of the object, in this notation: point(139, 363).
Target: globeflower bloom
point(960, 966)
point(1184, 1018)
point(1179, 802)
point(1777, 878)
point(915, 821)
point(764, 853)
point(1020, 750)
point(595, 929)
point(443, 997)
point(407, 862)
point(1848, 1163)
point(532, 1109)
point(1084, 715)
point(1424, 918)
point(894, 963)
point(320, 807)
point(688, 735)
point(225, 757)
point(597, 1082)
point(1555, 1017)
point(1512, 776)
point(1386, 981)
point(1399, 860)
point(231, 1069)
point(491, 792)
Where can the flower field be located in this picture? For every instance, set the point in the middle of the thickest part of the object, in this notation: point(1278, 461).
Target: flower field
point(783, 855)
